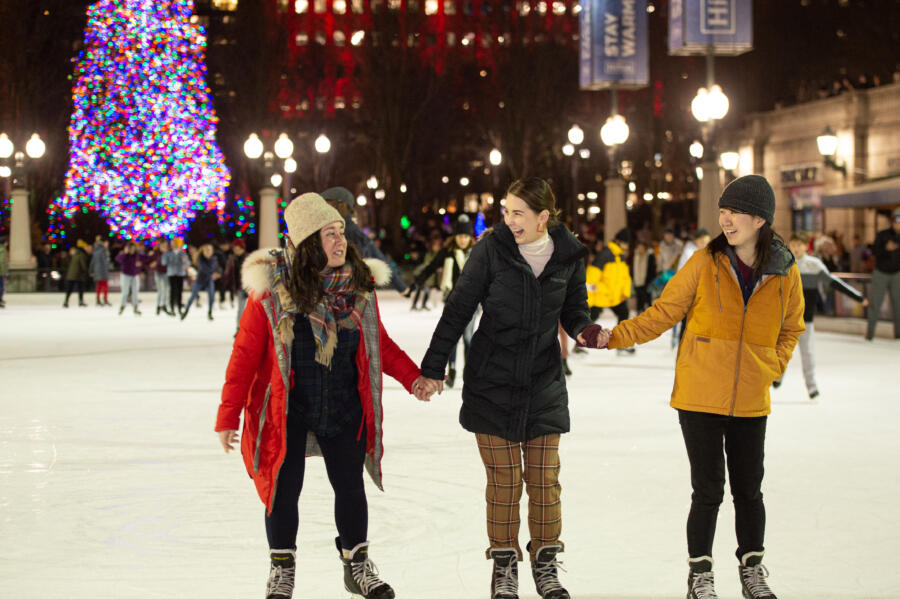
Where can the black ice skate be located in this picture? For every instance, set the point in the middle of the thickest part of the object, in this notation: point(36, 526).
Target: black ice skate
point(700, 579)
point(281, 575)
point(753, 577)
point(543, 569)
point(361, 575)
point(505, 574)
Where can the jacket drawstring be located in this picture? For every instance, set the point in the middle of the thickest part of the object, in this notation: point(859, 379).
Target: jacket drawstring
point(718, 291)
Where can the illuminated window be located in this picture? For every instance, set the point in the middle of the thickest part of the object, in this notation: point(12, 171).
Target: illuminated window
point(319, 6)
point(302, 39)
point(394, 4)
point(451, 38)
point(412, 6)
point(320, 38)
point(431, 7)
point(524, 9)
point(449, 7)
point(229, 5)
point(357, 6)
point(542, 8)
point(301, 6)
point(339, 38)
point(559, 8)
point(340, 7)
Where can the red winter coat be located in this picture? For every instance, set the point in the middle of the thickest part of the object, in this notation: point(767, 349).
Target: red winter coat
point(259, 375)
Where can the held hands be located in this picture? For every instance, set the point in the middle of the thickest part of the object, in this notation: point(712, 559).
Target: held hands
point(423, 388)
point(594, 336)
point(226, 438)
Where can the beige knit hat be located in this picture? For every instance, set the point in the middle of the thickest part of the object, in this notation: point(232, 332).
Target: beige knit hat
point(306, 215)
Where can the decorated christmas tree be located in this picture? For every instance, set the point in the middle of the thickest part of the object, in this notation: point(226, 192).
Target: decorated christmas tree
point(143, 151)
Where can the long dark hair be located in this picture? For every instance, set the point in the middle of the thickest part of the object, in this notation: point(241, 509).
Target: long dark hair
point(307, 264)
point(537, 193)
point(763, 248)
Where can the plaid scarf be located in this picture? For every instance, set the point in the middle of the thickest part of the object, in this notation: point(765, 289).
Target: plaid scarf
point(341, 307)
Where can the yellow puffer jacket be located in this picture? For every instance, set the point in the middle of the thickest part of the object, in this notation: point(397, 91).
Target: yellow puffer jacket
point(608, 280)
point(730, 353)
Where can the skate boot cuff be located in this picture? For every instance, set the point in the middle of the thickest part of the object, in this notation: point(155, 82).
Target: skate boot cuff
point(752, 558)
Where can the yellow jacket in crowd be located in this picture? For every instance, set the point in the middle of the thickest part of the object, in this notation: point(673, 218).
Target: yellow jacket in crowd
point(608, 280)
point(730, 352)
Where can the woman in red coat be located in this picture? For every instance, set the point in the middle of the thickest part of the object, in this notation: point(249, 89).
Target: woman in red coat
point(306, 370)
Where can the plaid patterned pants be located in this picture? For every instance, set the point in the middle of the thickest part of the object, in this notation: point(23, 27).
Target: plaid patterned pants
point(503, 461)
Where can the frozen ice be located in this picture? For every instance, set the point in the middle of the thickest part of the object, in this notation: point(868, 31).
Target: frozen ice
point(113, 483)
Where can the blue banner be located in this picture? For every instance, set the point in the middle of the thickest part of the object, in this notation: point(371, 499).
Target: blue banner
point(726, 26)
point(613, 44)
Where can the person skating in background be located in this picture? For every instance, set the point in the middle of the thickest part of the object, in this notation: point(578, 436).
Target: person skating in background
point(4, 269)
point(643, 272)
point(77, 272)
point(207, 274)
point(233, 274)
point(424, 291)
point(306, 370)
point(699, 241)
point(451, 259)
point(814, 274)
point(608, 280)
point(743, 300)
point(224, 284)
point(159, 269)
point(528, 274)
point(670, 249)
point(131, 263)
point(343, 201)
point(886, 276)
point(99, 269)
point(176, 261)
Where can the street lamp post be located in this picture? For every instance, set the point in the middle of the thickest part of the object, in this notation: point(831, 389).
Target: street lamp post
point(708, 106)
point(268, 208)
point(323, 147)
point(613, 134)
point(14, 169)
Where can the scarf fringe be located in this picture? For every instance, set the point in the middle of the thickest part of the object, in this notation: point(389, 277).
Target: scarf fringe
point(326, 353)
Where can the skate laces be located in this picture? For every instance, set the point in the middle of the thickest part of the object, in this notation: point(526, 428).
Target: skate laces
point(754, 578)
point(702, 586)
point(281, 581)
point(545, 575)
point(366, 575)
point(506, 580)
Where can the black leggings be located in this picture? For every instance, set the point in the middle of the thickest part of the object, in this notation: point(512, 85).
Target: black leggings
point(344, 456)
point(621, 311)
point(744, 441)
point(176, 285)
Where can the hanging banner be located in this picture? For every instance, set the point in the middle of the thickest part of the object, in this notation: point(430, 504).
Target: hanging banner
point(726, 26)
point(613, 45)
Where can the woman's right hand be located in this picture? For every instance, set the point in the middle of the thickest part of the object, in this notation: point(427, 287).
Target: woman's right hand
point(226, 438)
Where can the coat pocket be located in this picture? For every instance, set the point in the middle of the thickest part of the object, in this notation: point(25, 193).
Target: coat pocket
point(262, 424)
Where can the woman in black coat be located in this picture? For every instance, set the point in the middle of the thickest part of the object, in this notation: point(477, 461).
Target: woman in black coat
point(528, 275)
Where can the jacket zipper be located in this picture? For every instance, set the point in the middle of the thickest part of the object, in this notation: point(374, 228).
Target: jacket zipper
point(737, 368)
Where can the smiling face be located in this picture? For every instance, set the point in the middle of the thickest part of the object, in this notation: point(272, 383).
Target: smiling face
point(334, 243)
point(523, 221)
point(741, 229)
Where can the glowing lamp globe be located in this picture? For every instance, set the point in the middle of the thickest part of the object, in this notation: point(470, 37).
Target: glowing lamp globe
point(568, 149)
point(290, 165)
point(6, 146)
point(827, 142)
point(614, 131)
point(696, 150)
point(730, 160)
point(495, 157)
point(35, 147)
point(576, 135)
point(323, 144)
point(253, 147)
point(284, 147)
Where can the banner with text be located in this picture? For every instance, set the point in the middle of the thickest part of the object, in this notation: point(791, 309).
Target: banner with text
point(724, 25)
point(613, 46)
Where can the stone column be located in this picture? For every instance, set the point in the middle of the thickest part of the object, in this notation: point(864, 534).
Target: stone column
point(268, 218)
point(20, 232)
point(708, 202)
point(614, 218)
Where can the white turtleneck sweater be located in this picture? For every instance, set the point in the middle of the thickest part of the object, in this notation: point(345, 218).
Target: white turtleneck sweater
point(537, 253)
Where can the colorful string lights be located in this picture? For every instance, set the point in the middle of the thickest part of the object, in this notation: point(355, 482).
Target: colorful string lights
point(142, 135)
point(240, 221)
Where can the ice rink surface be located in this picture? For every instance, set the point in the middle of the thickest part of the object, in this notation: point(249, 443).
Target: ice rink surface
point(113, 484)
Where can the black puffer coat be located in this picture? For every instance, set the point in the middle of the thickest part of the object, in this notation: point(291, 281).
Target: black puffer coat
point(513, 383)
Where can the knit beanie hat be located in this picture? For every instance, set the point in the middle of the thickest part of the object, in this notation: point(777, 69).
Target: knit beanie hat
point(624, 235)
point(464, 226)
point(750, 194)
point(340, 194)
point(306, 215)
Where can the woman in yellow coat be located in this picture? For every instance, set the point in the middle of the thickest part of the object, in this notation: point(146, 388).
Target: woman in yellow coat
point(744, 305)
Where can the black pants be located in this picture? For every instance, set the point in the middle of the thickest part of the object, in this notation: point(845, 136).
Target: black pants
point(420, 292)
point(642, 294)
point(344, 457)
point(75, 286)
point(744, 441)
point(621, 311)
point(176, 286)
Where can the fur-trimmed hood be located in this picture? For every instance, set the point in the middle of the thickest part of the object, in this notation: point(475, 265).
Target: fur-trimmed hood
point(256, 271)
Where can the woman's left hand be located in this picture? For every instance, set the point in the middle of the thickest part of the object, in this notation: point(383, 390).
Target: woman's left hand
point(423, 388)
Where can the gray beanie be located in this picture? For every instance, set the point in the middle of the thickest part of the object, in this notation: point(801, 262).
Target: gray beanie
point(750, 194)
point(340, 194)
